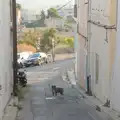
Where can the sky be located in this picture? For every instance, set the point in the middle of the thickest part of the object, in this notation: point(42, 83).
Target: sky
point(41, 4)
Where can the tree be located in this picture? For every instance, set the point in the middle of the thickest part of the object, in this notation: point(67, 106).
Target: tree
point(42, 15)
point(46, 41)
point(18, 6)
point(69, 41)
point(53, 13)
point(30, 38)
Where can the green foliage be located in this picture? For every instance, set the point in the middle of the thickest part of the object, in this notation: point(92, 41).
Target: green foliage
point(52, 12)
point(69, 41)
point(30, 38)
point(42, 15)
point(46, 41)
point(70, 20)
point(18, 5)
point(37, 23)
point(67, 25)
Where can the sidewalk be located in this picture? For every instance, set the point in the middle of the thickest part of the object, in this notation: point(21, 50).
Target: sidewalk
point(11, 110)
point(91, 100)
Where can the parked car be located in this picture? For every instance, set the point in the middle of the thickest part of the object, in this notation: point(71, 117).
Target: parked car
point(43, 56)
point(21, 57)
point(36, 59)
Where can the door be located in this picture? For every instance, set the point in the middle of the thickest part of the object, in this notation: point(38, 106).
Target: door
point(94, 71)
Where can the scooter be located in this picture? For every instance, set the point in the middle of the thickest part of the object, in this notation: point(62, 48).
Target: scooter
point(22, 78)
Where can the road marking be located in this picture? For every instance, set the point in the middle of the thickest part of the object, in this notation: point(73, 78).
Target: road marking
point(36, 77)
point(91, 116)
point(50, 98)
point(56, 68)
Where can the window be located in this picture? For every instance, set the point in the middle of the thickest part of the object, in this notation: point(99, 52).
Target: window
point(35, 55)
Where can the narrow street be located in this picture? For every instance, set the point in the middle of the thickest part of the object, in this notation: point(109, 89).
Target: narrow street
point(39, 104)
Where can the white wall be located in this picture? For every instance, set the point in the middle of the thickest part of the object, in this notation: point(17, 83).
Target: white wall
point(6, 71)
point(99, 46)
point(82, 17)
point(81, 49)
point(100, 11)
point(116, 73)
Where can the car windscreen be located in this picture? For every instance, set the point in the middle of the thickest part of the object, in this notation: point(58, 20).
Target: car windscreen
point(34, 55)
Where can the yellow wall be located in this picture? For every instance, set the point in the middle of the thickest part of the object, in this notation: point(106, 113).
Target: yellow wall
point(112, 40)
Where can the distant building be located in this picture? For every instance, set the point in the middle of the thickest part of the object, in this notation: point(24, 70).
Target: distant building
point(69, 11)
point(28, 16)
point(54, 23)
point(65, 11)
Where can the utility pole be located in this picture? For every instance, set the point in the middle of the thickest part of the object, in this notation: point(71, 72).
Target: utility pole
point(14, 45)
point(53, 49)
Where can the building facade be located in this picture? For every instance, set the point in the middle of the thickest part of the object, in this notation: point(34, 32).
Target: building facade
point(102, 27)
point(115, 97)
point(96, 51)
point(6, 55)
point(81, 42)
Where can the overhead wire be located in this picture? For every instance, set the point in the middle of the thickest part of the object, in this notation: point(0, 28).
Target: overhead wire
point(64, 5)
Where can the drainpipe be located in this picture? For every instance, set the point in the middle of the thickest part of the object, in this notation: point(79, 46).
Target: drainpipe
point(88, 36)
point(14, 46)
point(88, 48)
point(75, 46)
point(75, 37)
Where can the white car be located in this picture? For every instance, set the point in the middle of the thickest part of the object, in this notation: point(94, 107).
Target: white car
point(21, 57)
point(43, 56)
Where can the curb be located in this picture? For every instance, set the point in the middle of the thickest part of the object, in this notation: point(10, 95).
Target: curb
point(98, 106)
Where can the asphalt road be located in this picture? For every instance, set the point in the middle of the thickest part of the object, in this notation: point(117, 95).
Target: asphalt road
point(39, 104)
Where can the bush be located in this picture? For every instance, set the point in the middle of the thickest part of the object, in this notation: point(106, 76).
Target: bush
point(69, 42)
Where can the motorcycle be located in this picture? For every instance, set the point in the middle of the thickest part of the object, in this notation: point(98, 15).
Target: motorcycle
point(22, 78)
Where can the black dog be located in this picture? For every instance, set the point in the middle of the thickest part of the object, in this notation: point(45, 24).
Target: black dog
point(56, 90)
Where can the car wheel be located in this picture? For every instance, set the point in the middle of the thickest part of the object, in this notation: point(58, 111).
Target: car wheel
point(46, 61)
